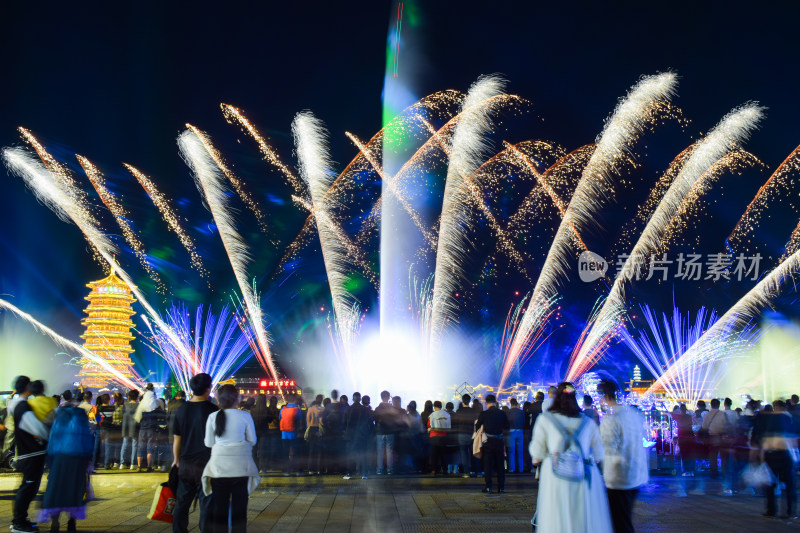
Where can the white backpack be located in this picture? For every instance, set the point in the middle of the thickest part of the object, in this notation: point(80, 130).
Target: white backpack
point(570, 464)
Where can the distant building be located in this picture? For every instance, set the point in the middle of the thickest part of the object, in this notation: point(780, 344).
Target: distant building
point(108, 330)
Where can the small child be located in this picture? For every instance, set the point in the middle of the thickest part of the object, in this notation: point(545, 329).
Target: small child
point(44, 407)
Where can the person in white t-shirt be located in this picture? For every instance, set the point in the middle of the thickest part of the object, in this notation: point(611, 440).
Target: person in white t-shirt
point(625, 467)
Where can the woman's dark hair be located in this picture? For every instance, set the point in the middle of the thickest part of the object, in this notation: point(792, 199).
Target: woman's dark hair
point(428, 406)
point(565, 402)
point(412, 406)
point(103, 399)
point(273, 401)
point(133, 395)
point(228, 397)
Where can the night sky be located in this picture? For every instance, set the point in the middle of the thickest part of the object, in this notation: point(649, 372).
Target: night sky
point(117, 83)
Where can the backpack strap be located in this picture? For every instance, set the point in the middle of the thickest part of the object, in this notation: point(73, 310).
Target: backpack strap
point(571, 437)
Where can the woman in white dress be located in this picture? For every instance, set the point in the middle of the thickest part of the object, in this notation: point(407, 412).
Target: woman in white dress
point(568, 503)
point(231, 474)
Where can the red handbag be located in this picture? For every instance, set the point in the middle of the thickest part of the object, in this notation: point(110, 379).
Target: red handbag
point(164, 500)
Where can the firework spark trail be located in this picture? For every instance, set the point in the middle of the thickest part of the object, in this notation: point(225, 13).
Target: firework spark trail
point(503, 240)
point(468, 147)
point(471, 183)
point(794, 242)
point(353, 251)
point(441, 136)
point(71, 346)
point(779, 181)
point(431, 103)
point(343, 332)
point(121, 216)
point(194, 149)
point(234, 115)
point(737, 318)
point(65, 203)
point(310, 138)
point(663, 342)
point(735, 161)
point(511, 332)
point(528, 164)
point(550, 192)
point(657, 192)
point(170, 216)
point(216, 342)
point(56, 167)
point(421, 301)
point(570, 161)
point(596, 185)
point(62, 173)
point(180, 366)
point(238, 186)
point(731, 130)
point(392, 187)
point(438, 138)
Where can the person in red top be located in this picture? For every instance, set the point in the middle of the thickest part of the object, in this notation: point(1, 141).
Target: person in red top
point(290, 419)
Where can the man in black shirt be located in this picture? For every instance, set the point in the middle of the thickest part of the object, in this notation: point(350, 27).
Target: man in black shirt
point(494, 422)
point(190, 452)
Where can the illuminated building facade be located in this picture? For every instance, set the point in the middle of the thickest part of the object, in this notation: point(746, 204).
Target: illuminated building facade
point(108, 330)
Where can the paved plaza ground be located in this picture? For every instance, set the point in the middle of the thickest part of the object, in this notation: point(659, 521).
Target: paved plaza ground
point(408, 504)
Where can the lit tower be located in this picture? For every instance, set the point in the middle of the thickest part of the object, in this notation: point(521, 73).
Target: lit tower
point(108, 330)
point(637, 373)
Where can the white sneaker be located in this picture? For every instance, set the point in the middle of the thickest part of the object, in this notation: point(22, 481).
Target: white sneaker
point(122, 467)
point(134, 467)
point(347, 477)
point(364, 477)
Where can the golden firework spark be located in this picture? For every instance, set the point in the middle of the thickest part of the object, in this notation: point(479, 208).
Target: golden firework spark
point(238, 186)
point(777, 188)
point(62, 173)
point(121, 216)
point(169, 215)
point(234, 115)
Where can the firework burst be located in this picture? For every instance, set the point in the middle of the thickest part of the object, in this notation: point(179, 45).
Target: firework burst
point(209, 179)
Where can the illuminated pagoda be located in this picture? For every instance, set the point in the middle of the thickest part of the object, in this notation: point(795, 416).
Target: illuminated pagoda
point(108, 330)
